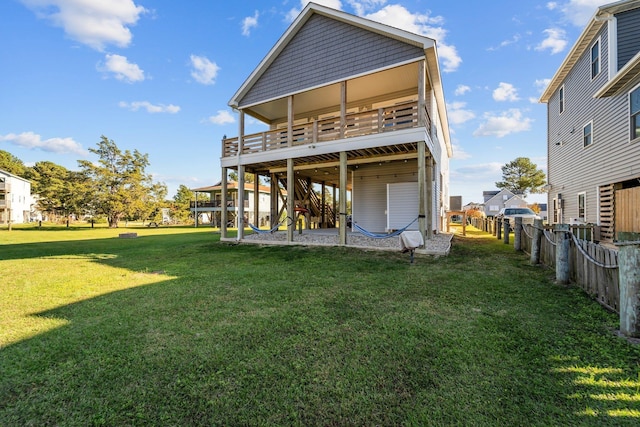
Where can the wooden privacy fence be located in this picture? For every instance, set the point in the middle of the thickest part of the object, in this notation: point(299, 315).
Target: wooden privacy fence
point(592, 267)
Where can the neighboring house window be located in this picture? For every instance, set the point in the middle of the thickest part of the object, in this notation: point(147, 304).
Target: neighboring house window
point(595, 59)
point(494, 208)
point(587, 134)
point(505, 197)
point(582, 206)
point(561, 96)
point(634, 108)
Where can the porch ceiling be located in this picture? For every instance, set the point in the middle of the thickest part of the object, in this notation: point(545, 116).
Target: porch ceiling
point(360, 90)
point(325, 167)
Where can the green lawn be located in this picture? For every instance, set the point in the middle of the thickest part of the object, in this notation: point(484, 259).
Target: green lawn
point(176, 328)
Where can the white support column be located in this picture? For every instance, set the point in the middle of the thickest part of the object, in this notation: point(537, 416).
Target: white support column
point(224, 215)
point(240, 132)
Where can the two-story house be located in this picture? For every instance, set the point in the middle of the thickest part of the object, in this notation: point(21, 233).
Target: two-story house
point(593, 134)
point(495, 200)
point(254, 207)
point(354, 105)
point(15, 199)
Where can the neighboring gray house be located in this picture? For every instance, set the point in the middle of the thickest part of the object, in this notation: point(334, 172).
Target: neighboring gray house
point(498, 199)
point(593, 134)
point(351, 105)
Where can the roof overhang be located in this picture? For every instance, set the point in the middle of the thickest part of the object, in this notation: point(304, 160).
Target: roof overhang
point(597, 21)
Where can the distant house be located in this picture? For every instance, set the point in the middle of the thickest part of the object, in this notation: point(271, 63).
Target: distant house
point(15, 199)
point(354, 106)
point(593, 136)
point(257, 212)
point(498, 199)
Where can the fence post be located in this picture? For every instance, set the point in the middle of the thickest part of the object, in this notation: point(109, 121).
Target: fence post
point(562, 253)
point(536, 242)
point(505, 230)
point(495, 224)
point(629, 276)
point(517, 234)
point(498, 229)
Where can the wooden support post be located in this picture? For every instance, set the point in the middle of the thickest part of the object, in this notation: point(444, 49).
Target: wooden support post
point(563, 240)
point(333, 205)
point(505, 231)
point(629, 279)
point(517, 234)
point(273, 195)
point(422, 190)
point(291, 199)
point(343, 109)
point(498, 234)
point(323, 210)
point(240, 207)
point(343, 198)
point(224, 214)
point(290, 119)
point(536, 242)
point(429, 196)
point(256, 199)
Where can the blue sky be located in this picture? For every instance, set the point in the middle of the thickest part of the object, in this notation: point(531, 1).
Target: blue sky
point(156, 76)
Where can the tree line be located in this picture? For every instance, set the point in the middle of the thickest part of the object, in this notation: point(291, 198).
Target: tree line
point(115, 188)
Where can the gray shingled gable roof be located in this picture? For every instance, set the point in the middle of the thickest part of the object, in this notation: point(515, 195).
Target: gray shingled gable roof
point(279, 57)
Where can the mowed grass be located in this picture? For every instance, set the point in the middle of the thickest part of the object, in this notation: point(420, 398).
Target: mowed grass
point(176, 328)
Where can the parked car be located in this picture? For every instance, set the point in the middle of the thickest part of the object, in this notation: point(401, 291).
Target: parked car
point(527, 215)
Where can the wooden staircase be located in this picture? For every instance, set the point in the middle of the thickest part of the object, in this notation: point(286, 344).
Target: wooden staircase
point(307, 198)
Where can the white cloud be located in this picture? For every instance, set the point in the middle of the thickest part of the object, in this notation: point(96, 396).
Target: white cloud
point(151, 108)
point(294, 12)
point(505, 92)
point(248, 23)
point(34, 141)
point(552, 5)
point(221, 118)
point(363, 6)
point(457, 114)
point(475, 172)
point(93, 23)
point(122, 68)
point(508, 122)
point(578, 12)
point(556, 40)
point(515, 39)
point(541, 84)
point(459, 153)
point(399, 17)
point(461, 90)
point(204, 71)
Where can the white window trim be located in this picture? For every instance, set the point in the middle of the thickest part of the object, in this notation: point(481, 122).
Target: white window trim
point(598, 42)
point(592, 138)
point(561, 99)
point(637, 139)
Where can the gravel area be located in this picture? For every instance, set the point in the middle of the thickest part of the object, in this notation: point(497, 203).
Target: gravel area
point(439, 244)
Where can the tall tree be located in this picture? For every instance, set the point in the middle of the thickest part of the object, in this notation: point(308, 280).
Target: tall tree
point(180, 209)
point(12, 164)
point(120, 187)
point(521, 176)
